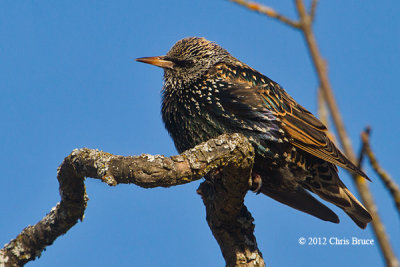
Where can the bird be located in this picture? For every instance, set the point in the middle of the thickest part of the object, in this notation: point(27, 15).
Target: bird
point(207, 92)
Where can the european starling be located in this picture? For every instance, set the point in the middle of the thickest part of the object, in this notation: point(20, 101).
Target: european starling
point(207, 92)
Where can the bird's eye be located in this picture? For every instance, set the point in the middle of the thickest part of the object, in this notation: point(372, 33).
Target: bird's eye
point(184, 63)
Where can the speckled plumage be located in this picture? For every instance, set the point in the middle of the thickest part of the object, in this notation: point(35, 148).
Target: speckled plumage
point(208, 92)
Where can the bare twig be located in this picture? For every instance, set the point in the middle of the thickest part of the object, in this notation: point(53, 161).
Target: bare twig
point(322, 110)
point(320, 67)
point(305, 25)
point(362, 150)
point(362, 187)
point(267, 11)
point(385, 177)
point(313, 9)
point(323, 114)
point(151, 171)
point(378, 226)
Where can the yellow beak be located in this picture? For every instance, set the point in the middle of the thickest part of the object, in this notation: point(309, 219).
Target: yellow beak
point(157, 61)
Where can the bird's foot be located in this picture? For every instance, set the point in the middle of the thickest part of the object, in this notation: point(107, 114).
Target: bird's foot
point(256, 183)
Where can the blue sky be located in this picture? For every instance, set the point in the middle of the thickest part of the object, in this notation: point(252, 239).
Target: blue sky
point(68, 79)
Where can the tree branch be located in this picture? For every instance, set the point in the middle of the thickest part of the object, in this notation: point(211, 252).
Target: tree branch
point(378, 226)
point(227, 216)
point(323, 114)
point(313, 9)
point(231, 152)
point(305, 25)
point(385, 177)
point(362, 187)
point(265, 10)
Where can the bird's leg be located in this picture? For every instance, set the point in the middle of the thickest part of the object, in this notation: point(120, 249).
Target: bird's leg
point(256, 183)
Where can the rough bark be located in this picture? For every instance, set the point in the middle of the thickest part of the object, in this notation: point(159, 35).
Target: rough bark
point(228, 157)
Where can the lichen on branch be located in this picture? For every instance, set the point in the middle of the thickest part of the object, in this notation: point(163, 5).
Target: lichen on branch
point(231, 151)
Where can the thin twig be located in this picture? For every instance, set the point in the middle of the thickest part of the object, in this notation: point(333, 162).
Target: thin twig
point(322, 111)
point(313, 9)
point(362, 150)
point(378, 225)
point(320, 67)
point(362, 187)
point(305, 24)
point(323, 114)
point(266, 10)
point(385, 177)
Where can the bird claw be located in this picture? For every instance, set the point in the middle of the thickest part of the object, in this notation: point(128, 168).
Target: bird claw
point(257, 181)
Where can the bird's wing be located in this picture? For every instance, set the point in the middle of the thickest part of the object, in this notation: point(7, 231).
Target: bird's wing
point(302, 128)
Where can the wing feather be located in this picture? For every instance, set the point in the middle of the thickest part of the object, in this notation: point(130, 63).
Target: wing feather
point(302, 129)
point(305, 131)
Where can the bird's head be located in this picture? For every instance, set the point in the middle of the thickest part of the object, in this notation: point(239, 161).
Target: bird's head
point(188, 59)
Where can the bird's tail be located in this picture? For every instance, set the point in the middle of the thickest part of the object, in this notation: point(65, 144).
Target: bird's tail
point(329, 187)
point(356, 211)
